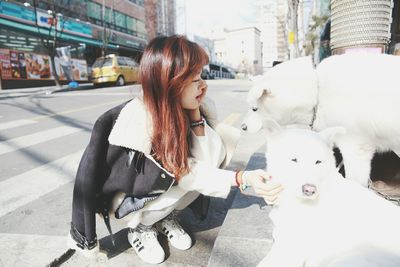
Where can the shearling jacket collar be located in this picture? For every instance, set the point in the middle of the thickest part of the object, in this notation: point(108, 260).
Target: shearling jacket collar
point(133, 128)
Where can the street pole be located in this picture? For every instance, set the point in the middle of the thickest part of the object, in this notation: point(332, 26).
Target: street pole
point(103, 50)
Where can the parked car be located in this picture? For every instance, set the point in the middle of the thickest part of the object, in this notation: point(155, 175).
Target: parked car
point(206, 74)
point(114, 69)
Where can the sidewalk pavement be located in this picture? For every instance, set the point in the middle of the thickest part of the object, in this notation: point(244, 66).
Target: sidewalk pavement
point(246, 234)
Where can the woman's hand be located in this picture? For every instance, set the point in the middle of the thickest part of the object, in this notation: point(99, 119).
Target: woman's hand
point(263, 185)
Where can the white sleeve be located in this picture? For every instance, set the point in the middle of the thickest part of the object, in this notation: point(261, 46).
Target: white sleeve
point(207, 153)
point(208, 148)
point(207, 180)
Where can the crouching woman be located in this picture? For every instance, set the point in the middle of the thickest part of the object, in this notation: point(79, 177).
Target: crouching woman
point(151, 157)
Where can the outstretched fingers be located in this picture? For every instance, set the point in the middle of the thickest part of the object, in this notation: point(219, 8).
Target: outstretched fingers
point(267, 189)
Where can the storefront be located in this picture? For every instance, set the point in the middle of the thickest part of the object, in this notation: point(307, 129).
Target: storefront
point(25, 36)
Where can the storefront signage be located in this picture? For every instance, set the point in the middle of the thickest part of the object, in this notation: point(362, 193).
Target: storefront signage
point(5, 64)
point(38, 66)
point(45, 20)
point(79, 69)
point(16, 12)
point(22, 14)
point(64, 24)
point(17, 65)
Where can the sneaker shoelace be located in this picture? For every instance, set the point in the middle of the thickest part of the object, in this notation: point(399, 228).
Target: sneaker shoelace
point(145, 234)
point(150, 234)
point(175, 226)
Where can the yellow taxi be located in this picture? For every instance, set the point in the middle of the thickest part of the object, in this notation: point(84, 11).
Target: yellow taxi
point(114, 69)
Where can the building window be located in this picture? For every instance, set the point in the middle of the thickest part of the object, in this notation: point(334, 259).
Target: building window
point(131, 24)
point(141, 27)
point(94, 10)
point(137, 2)
point(120, 21)
point(115, 20)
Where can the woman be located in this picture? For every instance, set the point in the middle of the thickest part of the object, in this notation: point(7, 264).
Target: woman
point(153, 156)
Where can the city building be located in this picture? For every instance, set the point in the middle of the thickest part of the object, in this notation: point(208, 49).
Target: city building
point(304, 20)
point(271, 20)
point(240, 49)
point(181, 17)
point(160, 17)
point(208, 46)
point(32, 32)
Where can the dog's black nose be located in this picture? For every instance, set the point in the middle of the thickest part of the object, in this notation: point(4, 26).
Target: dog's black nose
point(244, 127)
point(309, 190)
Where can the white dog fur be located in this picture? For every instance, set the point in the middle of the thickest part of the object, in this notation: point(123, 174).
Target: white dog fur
point(359, 92)
point(337, 222)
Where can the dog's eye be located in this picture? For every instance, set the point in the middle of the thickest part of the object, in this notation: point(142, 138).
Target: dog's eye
point(254, 109)
point(318, 162)
point(294, 160)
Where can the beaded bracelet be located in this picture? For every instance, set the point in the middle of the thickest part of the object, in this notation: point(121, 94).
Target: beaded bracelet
point(241, 185)
point(200, 122)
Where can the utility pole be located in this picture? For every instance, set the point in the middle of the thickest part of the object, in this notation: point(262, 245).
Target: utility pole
point(103, 16)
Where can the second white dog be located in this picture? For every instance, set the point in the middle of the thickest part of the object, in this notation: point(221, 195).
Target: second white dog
point(322, 219)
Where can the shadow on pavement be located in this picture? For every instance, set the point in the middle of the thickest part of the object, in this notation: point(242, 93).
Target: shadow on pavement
point(121, 243)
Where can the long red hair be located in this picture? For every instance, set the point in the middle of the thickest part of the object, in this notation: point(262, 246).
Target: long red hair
point(167, 66)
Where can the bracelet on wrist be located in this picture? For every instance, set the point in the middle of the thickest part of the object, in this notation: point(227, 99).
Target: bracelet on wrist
point(237, 178)
point(242, 185)
point(198, 123)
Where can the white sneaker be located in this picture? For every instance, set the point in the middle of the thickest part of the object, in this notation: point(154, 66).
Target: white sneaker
point(175, 234)
point(146, 245)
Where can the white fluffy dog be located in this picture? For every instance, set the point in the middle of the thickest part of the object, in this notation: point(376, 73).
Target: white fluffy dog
point(360, 92)
point(320, 218)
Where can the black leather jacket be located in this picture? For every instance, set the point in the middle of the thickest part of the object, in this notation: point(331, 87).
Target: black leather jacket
point(106, 169)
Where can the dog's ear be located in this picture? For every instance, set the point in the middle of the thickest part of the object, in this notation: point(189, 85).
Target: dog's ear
point(271, 126)
point(255, 93)
point(330, 134)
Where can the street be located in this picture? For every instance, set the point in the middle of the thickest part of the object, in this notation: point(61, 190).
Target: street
point(41, 141)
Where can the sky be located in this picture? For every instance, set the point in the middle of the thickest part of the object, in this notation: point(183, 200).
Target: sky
point(204, 16)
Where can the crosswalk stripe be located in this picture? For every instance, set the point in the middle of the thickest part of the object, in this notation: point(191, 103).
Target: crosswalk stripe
point(36, 138)
point(16, 123)
point(21, 189)
point(30, 250)
point(69, 94)
point(77, 109)
point(232, 118)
